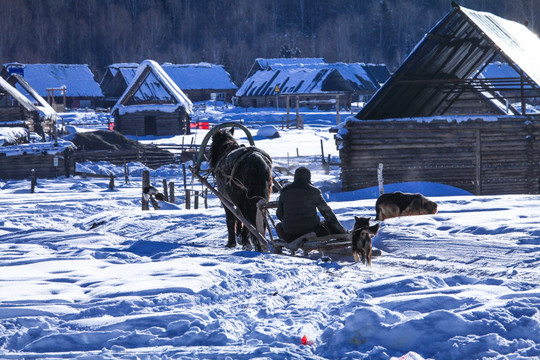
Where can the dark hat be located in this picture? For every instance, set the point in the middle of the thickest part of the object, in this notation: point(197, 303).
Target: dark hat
point(302, 174)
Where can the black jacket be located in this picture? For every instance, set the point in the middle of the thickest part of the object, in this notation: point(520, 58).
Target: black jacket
point(298, 204)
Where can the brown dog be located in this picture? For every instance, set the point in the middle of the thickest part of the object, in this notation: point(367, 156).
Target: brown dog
point(401, 204)
point(362, 234)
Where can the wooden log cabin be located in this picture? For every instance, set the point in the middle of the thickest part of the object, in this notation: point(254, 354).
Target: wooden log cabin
point(152, 105)
point(17, 110)
point(46, 160)
point(410, 125)
point(63, 85)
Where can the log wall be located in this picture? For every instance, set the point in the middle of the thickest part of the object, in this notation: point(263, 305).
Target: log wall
point(482, 157)
point(174, 123)
point(20, 166)
point(12, 114)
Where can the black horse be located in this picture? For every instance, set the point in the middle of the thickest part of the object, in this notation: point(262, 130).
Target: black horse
point(244, 176)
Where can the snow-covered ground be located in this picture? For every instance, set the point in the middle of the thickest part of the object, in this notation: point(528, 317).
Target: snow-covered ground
point(85, 274)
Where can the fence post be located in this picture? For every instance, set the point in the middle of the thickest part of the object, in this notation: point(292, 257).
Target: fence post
point(188, 199)
point(111, 181)
point(478, 163)
point(327, 166)
point(206, 198)
point(322, 152)
point(165, 192)
point(145, 185)
point(171, 192)
point(196, 205)
point(184, 173)
point(33, 181)
point(380, 179)
point(126, 173)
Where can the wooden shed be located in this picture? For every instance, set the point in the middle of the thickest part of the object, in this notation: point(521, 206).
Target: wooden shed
point(47, 160)
point(449, 64)
point(410, 128)
point(116, 80)
point(270, 63)
point(315, 88)
point(199, 82)
point(202, 81)
point(17, 110)
point(321, 85)
point(73, 84)
point(152, 104)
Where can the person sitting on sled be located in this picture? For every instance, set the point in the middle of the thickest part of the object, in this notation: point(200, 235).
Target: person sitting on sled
point(297, 209)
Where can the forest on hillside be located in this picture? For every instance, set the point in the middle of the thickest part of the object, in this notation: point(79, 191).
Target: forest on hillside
point(228, 32)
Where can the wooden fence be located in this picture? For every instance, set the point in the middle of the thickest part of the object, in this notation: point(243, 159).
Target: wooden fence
point(500, 156)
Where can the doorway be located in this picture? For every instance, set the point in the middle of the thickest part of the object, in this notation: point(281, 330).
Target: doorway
point(150, 125)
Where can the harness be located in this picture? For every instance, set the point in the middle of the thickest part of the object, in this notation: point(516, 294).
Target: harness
point(230, 178)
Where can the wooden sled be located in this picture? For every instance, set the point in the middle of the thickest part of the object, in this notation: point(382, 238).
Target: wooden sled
point(329, 245)
point(337, 245)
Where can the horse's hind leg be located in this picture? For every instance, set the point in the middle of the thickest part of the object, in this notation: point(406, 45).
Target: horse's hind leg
point(246, 236)
point(238, 232)
point(231, 228)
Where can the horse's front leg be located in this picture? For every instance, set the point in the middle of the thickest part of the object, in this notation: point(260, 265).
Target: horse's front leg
point(231, 228)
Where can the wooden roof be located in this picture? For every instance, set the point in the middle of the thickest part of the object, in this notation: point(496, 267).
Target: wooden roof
point(448, 62)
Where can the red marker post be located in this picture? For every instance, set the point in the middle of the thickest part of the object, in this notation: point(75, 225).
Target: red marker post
point(305, 341)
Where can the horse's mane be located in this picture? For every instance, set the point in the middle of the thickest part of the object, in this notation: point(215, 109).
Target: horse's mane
point(222, 144)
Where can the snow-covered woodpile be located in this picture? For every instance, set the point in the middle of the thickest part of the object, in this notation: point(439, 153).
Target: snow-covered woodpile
point(490, 155)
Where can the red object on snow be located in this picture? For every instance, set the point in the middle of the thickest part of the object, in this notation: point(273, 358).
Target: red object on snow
point(304, 340)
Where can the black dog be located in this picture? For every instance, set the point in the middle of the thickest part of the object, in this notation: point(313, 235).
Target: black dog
point(362, 234)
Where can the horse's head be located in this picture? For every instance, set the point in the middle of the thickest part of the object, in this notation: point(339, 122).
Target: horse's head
point(223, 142)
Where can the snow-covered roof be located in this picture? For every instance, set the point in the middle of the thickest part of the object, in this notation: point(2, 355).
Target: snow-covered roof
point(199, 76)
point(128, 73)
point(443, 63)
point(43, 106)
point(515, 40)
point(271, 63)
point(78, 78)
point(37, 148)
point(17, 95)
point(116, 68)
point(40, 105)
point(359, 74)
point(291, 80)
point(152, 89)
point(11, 135)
